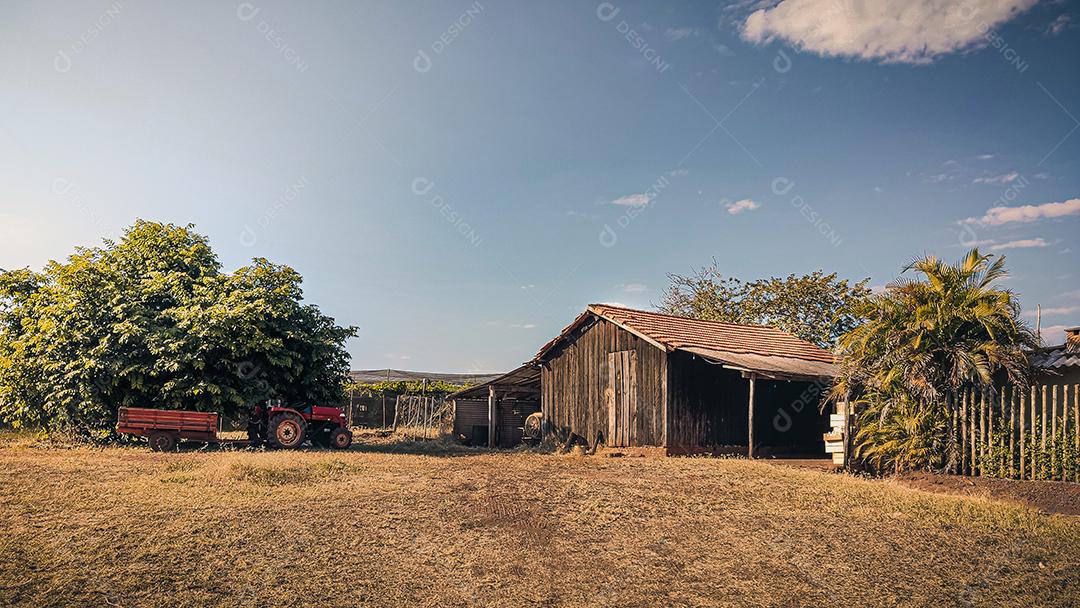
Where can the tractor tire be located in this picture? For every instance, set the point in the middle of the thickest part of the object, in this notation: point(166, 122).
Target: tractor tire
point(287, 431)
point(340, 438)
point(161, 441)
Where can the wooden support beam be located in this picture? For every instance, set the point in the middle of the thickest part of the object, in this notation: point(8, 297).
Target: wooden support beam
point(491, 416)
point(750, 422)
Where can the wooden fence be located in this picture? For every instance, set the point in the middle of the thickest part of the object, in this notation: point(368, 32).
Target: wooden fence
point(1016, 432)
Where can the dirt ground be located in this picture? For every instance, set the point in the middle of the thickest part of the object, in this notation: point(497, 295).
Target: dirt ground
point(393, 524)
point(1047, 496)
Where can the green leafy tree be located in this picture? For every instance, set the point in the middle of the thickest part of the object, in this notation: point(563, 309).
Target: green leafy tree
point(817, 307)
point(152, 321)
point(926, 338)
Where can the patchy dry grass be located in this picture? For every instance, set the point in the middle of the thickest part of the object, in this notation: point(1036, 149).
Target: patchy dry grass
point(383, 525)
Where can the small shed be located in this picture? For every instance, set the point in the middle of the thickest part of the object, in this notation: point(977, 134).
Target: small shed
point(638, 379)
point(501, 404)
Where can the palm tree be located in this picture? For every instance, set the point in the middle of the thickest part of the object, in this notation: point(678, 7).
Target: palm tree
point(925, 339)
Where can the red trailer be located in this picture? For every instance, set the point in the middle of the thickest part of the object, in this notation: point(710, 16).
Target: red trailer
point(280, 427)
point(165, 428)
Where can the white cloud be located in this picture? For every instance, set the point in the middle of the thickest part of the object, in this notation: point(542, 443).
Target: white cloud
point(739, 206)
point(1062, 23)
point(985, 156)
point(996, 216)
point(632, 200)
point(915, 31)
point(1020, 244)
point(1060, 310)
point(634, 287)
point(678, 33)
point(523, 325)
point(1006, 178)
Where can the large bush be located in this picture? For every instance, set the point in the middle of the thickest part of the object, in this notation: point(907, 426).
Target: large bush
point(152, 321)
point(928, 337)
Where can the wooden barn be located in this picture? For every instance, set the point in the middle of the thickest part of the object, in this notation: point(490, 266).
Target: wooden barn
point(636, 379)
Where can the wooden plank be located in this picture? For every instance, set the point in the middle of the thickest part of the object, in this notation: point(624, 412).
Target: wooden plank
point(833, 447)
point(1066, 462)
point(491, 416)
point(665, 400)
point(632, 398)
point(609, 397)
point(1034, 432)
point(1076, 432)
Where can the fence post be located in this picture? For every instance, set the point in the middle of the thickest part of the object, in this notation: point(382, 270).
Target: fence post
point(1012, 431)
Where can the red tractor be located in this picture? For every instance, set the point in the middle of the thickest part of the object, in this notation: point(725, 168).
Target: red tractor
point(287, 427)
point(276, 425)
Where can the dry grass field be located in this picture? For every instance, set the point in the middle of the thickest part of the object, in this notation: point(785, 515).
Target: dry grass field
point(380, 526)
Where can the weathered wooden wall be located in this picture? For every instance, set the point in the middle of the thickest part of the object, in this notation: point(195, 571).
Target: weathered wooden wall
point(467, 414)
point(575, 377)
point(708, 404)
point(510, 416)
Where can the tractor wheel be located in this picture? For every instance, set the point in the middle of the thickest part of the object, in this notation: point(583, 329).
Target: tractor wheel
point(340, 438)
point(161, 441)
point(287, 431)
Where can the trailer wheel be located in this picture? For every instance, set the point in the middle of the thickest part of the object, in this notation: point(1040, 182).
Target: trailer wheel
point(340, 438)
point(287, 431)
point(161, 441)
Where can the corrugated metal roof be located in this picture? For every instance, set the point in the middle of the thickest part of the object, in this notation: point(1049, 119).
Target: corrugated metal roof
point(1057, 357)
point(525, 379)
point(779, 366)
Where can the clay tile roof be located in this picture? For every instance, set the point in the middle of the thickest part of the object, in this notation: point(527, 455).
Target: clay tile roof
point(683, 332)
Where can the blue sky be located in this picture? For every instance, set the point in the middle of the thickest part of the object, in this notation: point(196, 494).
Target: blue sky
point(459, 179)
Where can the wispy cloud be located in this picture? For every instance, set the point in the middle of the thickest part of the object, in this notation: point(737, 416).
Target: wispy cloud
point(985, 156)
point(679, 33)
point(740, 206)
point(634, 287)
point(1062, 23)
point(996, 216)
point(1005, 178)
point(523, 325)
point(916, 31)
point(632, 200)
point(1060, 310)
point(1020, 244)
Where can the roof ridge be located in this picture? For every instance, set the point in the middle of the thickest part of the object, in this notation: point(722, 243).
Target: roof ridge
point(665, 314)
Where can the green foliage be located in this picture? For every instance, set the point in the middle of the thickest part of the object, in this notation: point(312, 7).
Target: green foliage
point(152, 321)
point(405, 387)
point(927, 338)
point(897, 431)
point(816, 307)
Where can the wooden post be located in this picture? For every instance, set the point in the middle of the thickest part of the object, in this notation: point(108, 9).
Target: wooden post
point(491, 416)
point(1076, 431)
point(983, 450)
point(1043, 428)
point(974, 400)
point(1053, 432)
point(1034, 435)
point(963, 432)
point(1023, 430)
point(1012, 431)
point(750, 422)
